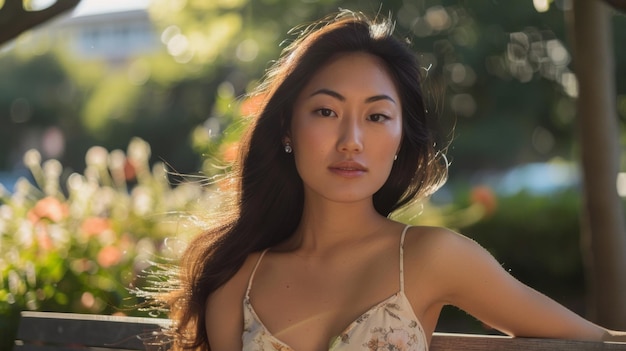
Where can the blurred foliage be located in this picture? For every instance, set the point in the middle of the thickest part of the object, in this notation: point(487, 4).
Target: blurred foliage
point(536, 238)
point(79, 242)
point(498, 75)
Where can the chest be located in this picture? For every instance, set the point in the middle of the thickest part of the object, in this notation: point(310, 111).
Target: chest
point(390, 324)
point(308, 305)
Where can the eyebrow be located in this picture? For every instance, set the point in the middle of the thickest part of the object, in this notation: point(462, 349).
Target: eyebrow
point(342, 98)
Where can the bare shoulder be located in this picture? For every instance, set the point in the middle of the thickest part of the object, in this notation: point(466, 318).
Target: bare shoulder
point(445, 249)
point(224, 313)
point(235, 287)
point(449, 256)
point(434, 242)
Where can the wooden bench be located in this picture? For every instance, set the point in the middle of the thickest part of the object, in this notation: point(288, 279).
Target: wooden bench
point(47, 331)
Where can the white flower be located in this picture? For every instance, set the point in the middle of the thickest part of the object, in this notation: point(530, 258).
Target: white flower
point(52, 169)
point(96, 156)
point(22, 187)
point(25, 234)
point(6, 212)
point(3, 191)
point(75, 182)
point(142, 201)
point(139, 150)
point(32, 158)
point(59, 236)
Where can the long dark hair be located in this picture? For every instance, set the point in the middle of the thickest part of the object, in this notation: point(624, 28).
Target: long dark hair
point(270, 197)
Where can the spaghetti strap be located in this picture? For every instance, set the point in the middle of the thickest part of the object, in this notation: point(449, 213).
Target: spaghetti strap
point(253, 272)
point(401, 258)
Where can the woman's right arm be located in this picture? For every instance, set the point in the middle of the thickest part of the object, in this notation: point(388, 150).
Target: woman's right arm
point(224, 313)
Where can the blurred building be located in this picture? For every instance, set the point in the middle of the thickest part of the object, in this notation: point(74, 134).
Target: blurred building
point(113, 34)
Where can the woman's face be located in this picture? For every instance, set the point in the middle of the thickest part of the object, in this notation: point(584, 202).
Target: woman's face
point(346, 129)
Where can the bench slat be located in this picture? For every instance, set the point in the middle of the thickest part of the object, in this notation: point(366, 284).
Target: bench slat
point(470, 342)
point(48, 331)
point(78, 330)
point(63, 348)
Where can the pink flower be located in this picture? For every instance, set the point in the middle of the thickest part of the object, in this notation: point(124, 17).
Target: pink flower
point(109, 256)
point(43, 237)
point(230, 152)
point(50, 208)
point(95, 225)
point(484, 196)
point(252, 106)
point(130, 171)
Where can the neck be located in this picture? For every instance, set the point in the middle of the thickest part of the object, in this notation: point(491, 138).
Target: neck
point(326, 225)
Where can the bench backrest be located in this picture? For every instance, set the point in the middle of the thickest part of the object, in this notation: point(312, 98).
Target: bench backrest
point(47, 331)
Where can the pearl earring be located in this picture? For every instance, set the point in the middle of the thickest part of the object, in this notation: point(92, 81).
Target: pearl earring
point(395, 157)
point(288, 148)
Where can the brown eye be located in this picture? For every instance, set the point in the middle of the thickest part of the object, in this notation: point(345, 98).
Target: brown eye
point(377, 117)
point(325, 112)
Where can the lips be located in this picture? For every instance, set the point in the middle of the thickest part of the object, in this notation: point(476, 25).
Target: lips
point(349, 169)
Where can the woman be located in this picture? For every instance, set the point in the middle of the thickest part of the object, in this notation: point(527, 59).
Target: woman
point(308, 259)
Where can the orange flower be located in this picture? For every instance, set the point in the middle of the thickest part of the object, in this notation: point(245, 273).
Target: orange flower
point(485, 197)
point(252, 105)
point(129, 170)
point(109, 256)
point(230, 152)
point(88, 300)
point(50, 208)
point(43, 237)
point(95, 225)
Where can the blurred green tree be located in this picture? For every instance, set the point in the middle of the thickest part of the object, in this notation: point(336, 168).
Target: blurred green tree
point(40, 99)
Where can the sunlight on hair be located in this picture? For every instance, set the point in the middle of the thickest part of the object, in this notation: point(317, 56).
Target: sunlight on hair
point(379, 30)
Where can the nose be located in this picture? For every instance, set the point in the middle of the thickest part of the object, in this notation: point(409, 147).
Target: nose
point(350, 136)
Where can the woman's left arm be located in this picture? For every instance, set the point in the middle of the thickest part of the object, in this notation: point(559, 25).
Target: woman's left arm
point(475, 282)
